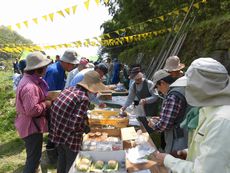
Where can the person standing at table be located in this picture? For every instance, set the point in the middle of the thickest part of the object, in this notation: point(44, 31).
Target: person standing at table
point(143, 89)
point(173, 111)
point(31, 105)
point(69, 118)
point(174, 67)
point(83, 64)
point(55, 74)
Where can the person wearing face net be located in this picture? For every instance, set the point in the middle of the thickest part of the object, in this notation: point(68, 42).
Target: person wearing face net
point(207, 86)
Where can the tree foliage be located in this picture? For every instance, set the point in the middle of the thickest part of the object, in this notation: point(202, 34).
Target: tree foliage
point(10, 38)
point(130, 12)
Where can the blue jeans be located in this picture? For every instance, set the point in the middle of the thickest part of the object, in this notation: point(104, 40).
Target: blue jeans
point(66, 158)
point(33, 144)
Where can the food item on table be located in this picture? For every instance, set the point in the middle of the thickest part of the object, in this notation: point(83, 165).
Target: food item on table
point(99, 164)
point(83, 167)
point(91, 135)
point(85, 160)
point(98, 134)
point(112, 164)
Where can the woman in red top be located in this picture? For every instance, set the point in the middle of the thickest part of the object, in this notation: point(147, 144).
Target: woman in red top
point(31, 104)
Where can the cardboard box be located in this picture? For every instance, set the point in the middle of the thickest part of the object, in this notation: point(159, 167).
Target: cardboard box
point(107, 117)
point(100, 144)
point(104, 156)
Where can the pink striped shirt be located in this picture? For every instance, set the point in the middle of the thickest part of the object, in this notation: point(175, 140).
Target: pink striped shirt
point(30, 97)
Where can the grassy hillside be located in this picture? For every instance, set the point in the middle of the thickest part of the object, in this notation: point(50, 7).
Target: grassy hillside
point(12, 150)
point(12, 153)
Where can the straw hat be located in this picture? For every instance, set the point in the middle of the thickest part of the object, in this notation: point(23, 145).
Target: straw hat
point(36, 60)
point(173, 64)
point(207, 83)
point(92, 82)
point(70, 56)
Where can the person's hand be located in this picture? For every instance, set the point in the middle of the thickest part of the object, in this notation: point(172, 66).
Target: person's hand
point(182, 154)
point(142, 101)
point(122, 109)
point(102, 105)
point(159, 157)
point(152, 121)
point(48, 103)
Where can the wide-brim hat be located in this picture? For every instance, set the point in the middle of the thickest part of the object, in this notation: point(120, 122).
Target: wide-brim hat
point(159, 75)
point(36, 60)
point(92, 82)
point(206, 83)
point(173, 64)
point(70, 56)
point(134, 72)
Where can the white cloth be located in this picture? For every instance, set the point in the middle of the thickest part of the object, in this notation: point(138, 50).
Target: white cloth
point(209, 149)
point(70, 76)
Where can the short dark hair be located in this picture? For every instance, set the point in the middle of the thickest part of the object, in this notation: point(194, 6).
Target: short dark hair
point(103, 67)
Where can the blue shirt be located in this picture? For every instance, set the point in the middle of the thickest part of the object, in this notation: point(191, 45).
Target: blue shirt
point(79, 77)
point(55, 76)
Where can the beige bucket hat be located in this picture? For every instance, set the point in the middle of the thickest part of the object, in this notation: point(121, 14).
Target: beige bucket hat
point(158, 75)
point(206, 83)
point(70, 56)
point(36, 60)
point(173, 64)
point(92, 82)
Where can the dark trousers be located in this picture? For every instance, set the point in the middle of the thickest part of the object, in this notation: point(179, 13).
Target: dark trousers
point(33, 144)
point(66, 158)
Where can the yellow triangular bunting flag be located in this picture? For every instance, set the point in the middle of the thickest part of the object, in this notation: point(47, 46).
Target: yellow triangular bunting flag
point(74, 9)
point(161, 18)
point(204, 1)
point(106, 1)
point(107, 35)
point(9, 27)
point(44, 17)
point(185, 9)
point(18, 25)
point(35, 20)
point(196, 5)
point(169, 29)
point(97, 2)
point(117, 32)
point(26, 23)
point(176, 12)
point(102, 36)
point(87, 4)
point(51, 15)
point(61, 13)
point(67, 10)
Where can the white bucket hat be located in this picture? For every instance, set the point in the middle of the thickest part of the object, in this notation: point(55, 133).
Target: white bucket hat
point(207, 83)
point(36, 60)
point(173, 64)
point(158, 75)
point(70, 56)
point(92, 82)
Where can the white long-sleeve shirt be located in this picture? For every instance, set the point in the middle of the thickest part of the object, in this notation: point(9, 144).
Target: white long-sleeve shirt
point(209, 149)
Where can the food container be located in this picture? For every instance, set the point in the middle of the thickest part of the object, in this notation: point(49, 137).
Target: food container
point(107, 117)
